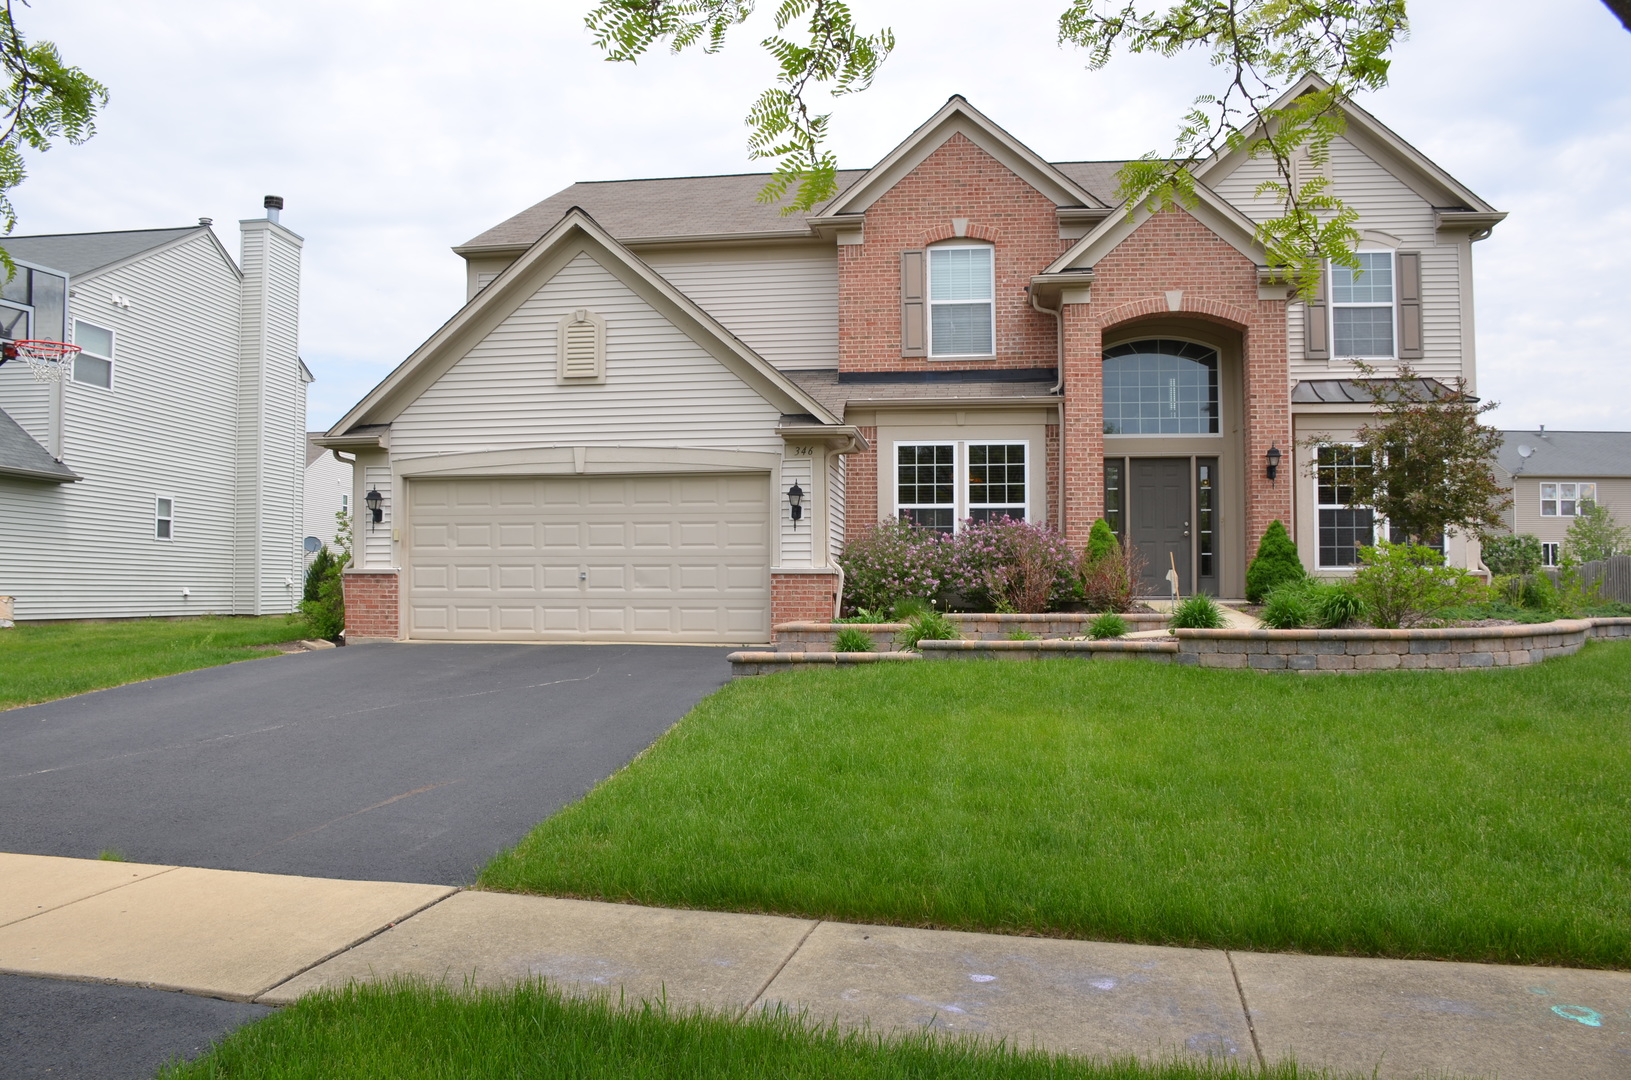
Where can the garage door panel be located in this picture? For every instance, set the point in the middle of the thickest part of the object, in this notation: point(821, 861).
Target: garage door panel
point(652, 558)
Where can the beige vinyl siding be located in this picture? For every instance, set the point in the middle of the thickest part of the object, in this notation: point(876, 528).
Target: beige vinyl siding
point(781, 301)
point(479, 273)
point(326, 480)
point(26, 400)
point(375, 540)
point(837, 473)
point(88, 549)
point(1386, 204)
point(798, 538)
point(661, 388)
point(1613, 494)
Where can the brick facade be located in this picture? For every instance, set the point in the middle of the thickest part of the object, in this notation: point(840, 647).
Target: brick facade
point(803, 597)
point(957, 180)
point(861, 488)
point(371, 605)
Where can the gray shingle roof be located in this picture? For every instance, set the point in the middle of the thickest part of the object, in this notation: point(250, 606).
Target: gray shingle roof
point(703, 206)
point(78, 254)
point(21, 456)
point(1567, 455)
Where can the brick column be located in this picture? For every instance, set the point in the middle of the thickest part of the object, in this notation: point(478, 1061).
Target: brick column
point(1268, 423)
point(1082, 420)
point(372, 612)
point(802, 597)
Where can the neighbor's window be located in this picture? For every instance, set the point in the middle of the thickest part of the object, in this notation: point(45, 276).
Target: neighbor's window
point(1160, 387)
point(1550, 554)
point(94, 364)
point(961, 311)
point(164, 518)
point(926, 484)
point(1344, 528)
point(1362, 307)
point(32, 304)
point(1566, 500)
point(996, 481)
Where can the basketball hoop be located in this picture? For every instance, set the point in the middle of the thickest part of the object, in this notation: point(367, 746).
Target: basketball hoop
point(50, 361)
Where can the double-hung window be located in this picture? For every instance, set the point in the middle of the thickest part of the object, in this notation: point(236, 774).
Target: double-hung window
point(938, 485)
point(1551, 554)
point(94, 364)
point(1566, 500)
point(1344, 527)
point(962, 316)
point(1362, 307)
point(164, 518)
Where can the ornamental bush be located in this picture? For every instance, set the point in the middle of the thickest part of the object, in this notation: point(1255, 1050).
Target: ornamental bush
point(1512, 554)
point(1108, 625)
point(1199, 612)
point(324, 599)
point(1276, 563)
point(1101, 541)
point(1402, 584)
point(894, 561)
point(1012, 566)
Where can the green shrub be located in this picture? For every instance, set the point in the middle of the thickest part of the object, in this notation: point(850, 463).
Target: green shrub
point(865, 615)
point(1021, 635)
point(912, 606)
point(1199, 612)
point(1289, 606)
point(1108, 625)
point(1512, 554)
point(1276, 563)
point(1594, 535)
point(1401, 584)
point(928, 625)
point(891, 561)
point(850, 639)
point(1337, 604)
point(324, 603)
point(1101, 541)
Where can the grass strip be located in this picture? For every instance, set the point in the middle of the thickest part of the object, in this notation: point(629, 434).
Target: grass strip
point(407, 1031)
point(1480, 816)
point(41, 662)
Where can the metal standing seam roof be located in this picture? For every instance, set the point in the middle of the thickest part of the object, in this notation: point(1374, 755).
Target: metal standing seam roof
point(20, 455)
point(1350, 391)
point(1567, 455)
point(78, 254)
point(681, 206)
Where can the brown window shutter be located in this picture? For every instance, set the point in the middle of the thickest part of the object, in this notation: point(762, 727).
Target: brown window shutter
point(913, 338)
point(1317, 324)
point(1409, 275)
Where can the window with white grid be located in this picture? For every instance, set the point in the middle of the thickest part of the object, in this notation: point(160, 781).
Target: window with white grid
point(1362, 307)
point(1566, 500)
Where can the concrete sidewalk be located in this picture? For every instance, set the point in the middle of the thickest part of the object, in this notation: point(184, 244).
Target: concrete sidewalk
point(270, 938)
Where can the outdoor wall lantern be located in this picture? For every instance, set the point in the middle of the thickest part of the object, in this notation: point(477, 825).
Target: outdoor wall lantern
point(795, 502)
point(1274, 462)
point(376, 507)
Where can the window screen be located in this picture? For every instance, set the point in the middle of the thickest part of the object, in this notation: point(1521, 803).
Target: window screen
point(960, 301)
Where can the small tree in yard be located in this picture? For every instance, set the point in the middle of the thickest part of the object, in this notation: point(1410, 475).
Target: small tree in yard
point(1276, 563)
point(323, 604)
point(1596, 535)
point(1432, 461)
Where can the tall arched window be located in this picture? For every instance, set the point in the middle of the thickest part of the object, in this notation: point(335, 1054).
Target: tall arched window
point(1160, 387)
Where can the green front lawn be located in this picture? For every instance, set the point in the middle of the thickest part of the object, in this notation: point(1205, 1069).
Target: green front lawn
point(405, 1032)
point(1462, 815)
point(40, 663)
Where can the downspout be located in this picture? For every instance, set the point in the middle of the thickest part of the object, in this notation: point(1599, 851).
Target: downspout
point(1058, 314)
point(354, 474)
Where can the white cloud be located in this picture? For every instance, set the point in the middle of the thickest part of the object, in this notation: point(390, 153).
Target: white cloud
point(398, 129)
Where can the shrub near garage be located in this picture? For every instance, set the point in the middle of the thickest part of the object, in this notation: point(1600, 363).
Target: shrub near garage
point(893, 561)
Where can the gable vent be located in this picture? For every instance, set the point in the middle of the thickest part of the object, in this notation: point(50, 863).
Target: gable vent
point(582, 348)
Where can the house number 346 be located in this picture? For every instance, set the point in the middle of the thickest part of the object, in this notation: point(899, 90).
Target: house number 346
point(802, 451)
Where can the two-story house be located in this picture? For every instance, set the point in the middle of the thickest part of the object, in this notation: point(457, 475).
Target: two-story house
point(162, 475)
point(664, 407)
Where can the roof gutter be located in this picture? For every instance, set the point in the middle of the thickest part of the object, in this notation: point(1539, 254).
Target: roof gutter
point(839, 438)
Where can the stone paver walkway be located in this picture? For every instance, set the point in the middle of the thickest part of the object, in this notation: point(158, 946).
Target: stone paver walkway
point(271, 938)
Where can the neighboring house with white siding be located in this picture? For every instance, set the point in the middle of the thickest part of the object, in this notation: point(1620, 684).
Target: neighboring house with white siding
point(327, 493)
point(607, 440)
point(1555, 475)
point(163, 475)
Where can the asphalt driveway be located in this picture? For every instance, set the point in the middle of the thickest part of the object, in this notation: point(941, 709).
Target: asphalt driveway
point(388, 762)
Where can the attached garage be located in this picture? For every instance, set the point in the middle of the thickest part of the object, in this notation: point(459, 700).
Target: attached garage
point(590, 558)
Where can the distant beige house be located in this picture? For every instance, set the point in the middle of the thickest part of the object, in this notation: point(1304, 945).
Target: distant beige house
point(1554, 475)
point(328, 491)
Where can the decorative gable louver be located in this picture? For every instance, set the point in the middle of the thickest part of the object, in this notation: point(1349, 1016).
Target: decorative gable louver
point(581, 353)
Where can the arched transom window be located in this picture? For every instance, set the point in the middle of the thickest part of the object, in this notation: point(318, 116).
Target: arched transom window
point(1160, 387)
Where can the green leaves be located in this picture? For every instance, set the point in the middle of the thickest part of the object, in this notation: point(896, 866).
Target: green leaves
point(830, 52)
point(1264, 46)
point(41, 100)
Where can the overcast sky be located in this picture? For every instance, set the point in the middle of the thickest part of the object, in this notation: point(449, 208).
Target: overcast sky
point(396, 129)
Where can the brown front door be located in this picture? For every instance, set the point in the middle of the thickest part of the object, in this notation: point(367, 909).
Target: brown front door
point(1158, 521)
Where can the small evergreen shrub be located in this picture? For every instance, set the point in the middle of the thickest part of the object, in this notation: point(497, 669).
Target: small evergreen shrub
point(1101, 541)
point(928, 625)
point(1108, 625)
point(850, 639)
point(324, 603)
point(1288, 607)
point(1512, 554)
point(1402, 584)
point(1199, 612)
point(1276, 563)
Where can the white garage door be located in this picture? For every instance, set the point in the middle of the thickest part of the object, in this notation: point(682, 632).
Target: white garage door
point(636, 558)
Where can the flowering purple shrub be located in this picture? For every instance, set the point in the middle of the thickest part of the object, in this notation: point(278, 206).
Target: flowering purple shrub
point(1012, 565)
point(894, 561)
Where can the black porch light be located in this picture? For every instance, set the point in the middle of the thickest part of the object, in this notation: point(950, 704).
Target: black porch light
point(376, 506)
point(1274, 461)
point(795, 501)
